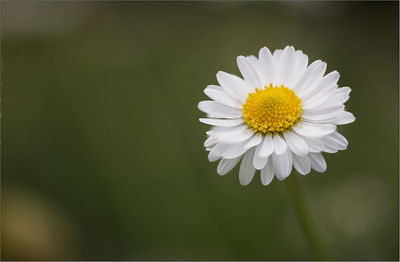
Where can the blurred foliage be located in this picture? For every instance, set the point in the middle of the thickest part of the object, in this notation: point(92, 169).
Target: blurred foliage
point(102, 154)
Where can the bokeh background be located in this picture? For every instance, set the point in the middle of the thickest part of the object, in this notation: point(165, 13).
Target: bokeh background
point(102, 150)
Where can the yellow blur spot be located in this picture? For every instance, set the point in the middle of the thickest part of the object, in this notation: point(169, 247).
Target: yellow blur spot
point(272, 109)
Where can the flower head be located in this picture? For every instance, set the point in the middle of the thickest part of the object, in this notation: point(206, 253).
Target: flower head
point(283, 113)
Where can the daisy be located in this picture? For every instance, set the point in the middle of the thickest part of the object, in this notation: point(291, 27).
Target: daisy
point(283, 113)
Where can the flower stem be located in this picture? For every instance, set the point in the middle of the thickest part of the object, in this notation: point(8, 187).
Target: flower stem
point(304, 217)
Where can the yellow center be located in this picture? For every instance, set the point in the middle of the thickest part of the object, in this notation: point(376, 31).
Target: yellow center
point(272, 109)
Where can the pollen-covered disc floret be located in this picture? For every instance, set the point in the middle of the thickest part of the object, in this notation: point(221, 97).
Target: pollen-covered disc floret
point(272, 109)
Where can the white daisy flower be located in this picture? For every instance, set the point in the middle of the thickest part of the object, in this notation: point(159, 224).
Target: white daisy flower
point(283, 113)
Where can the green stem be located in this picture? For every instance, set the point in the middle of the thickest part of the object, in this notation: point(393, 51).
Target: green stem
point(304, 217)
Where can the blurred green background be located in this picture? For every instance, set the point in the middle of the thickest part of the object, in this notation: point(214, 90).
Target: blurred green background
point(102, 150)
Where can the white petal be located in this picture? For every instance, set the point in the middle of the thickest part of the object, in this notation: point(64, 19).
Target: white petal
point(280, 145)
point(239, 149)
point(340, 98)
point(247, 170)
point(313, 129)
point(282, 164)
point(217, 110)
point(235, 134)
point(266, 147)
point(302, 164)
point(267, 174)
point(277, 57)
point(329, 100)
point(313, 73)
point(344, 118)
point(344, 90)
point(301, 66)
point(254, 141)
point(263, 151)
point(210, 141)
point(332, 96)
point(212, 157)
point(286, 66)
point(267, 71)
point(222, 122)
point(218, 150)
point(330, 80)
point(218, 94)
point(314, 144)
point(226, 165)
point(340, 138)
point(323, 109)
point(317, 162)
point(337, 96)
point(235, 151)
point(329, 149)
point(296, 143)
point(214, 130)
point(234, 85)
point(331, 142)
point(259, 161)
point(322, 114)
point(249, 71)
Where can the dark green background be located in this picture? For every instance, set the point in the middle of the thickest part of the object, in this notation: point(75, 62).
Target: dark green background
point(102, 150)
